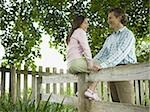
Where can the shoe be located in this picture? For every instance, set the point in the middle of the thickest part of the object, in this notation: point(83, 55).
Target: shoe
point(91, 95)
point(76, 94)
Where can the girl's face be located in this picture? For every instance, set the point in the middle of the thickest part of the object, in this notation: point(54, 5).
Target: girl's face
point(85, 24)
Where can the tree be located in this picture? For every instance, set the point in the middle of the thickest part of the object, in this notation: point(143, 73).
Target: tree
point(21, 38)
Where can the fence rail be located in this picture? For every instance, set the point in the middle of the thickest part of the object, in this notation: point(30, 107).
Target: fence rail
point(62, 86)
point(123, 73)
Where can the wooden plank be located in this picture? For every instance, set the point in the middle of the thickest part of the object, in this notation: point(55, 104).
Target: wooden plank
point(55, 84)
point(33, 85)
point(116, 107)
point(47, 85)
point(59, 99)
point(147, 93)
point(142, 92)
point(59, 78)
point(82, 86)
point(122, 73)
point(25, 89)
point(99, 89)
point(4, 69)
point(61, 84)
point(31, 72)
point(18, 86)
point(137, 95)
point(3, 79)
point(38, 82)
point(105, 92)
point(109, 94)
point(68, 89)
point(13, 82)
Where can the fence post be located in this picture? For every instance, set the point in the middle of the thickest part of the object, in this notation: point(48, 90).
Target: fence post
point(38, 82)
point(54, 84)
point(19, 83)
point(25, 92)
point(61, 84)
point(147, 99)
point(13, 83)
point(48, 85)
point(33, 84)
point(83, 103)
point(3, 78)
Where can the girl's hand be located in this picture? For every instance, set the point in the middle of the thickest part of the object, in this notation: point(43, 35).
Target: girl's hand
point(93, 67)
point(96, 67)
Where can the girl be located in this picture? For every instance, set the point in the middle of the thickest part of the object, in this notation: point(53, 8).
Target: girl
point(79, 57)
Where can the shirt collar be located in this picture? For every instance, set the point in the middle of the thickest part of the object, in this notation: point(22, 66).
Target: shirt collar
point(120, 30)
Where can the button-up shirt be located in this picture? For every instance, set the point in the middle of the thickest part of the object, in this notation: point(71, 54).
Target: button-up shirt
point(119, 48)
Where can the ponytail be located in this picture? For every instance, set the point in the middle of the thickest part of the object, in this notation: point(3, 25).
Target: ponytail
point(77, 21)
point(69, 35)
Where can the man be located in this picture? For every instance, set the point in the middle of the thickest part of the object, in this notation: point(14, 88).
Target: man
point(118, 49)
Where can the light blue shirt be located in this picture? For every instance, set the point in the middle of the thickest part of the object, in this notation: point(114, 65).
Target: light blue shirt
point(119, 48)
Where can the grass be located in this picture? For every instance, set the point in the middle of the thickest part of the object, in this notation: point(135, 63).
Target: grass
point(7, 105)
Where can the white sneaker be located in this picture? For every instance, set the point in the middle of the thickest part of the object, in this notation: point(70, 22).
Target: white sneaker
point(91, 95)
point(76, 94)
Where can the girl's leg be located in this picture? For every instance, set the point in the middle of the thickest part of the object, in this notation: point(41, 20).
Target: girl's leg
point(90, 92)
point(93, 86)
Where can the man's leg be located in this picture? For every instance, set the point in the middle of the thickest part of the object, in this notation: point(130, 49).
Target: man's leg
point(125, 90)
point(113, 91)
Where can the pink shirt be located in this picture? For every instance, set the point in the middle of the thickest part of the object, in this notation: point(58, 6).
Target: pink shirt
point(78, 46)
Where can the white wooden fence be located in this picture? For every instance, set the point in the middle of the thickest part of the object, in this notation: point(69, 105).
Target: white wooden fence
point(139, 73)
point(46, 82)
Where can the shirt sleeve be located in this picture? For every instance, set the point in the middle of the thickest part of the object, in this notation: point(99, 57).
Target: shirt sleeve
point(124, 47)
point(85, 46)
point(100, 53)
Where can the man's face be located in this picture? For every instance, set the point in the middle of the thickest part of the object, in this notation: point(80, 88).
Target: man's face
point(113, 21)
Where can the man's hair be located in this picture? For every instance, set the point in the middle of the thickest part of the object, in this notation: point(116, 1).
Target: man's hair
point(119, 12)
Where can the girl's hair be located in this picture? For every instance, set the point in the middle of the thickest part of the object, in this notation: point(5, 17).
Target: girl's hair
point(119, 12)
point(77, 21)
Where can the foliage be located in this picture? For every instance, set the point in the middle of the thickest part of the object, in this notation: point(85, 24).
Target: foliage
point(7, 105)
point(21, 38)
